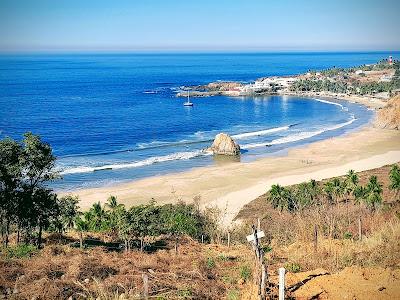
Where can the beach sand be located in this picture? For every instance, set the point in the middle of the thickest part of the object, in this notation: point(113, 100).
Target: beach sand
point(231, 185)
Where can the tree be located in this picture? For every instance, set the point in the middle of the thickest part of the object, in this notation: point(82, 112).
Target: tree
point(81, 226)
point(329, 190)
point(69, 210)
point(97, 217)
point(351, 183)
point(338, 189)
point(113, 207)
point(373, 193)
point(10, 178)
point(394, 176)
point(278, 197)
point(25, 169)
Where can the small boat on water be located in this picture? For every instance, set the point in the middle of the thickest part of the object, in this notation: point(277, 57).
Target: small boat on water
point(188, 103)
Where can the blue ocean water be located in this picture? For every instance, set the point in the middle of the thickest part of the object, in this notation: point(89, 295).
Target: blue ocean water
point(114, 117)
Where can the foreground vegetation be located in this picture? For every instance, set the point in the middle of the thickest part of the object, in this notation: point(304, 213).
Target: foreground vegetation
point(28, 206)
point(52, 249)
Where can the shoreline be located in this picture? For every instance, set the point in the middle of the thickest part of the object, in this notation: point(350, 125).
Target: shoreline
point(229, 187)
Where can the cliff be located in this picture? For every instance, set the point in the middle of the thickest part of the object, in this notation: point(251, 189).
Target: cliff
point(389, 116)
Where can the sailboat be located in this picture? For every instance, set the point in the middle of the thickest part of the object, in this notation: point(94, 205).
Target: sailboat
point(188, 103)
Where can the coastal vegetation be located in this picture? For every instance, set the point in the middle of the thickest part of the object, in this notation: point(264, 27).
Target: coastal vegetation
point(61, 251)
point(28, 206)
point(342, 80)
point(336, 190)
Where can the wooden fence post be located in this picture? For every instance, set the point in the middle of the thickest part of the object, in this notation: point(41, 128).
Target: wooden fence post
point(263, 280)
point(229, 239)
point(202, 239)
point(281, 283)
point(315, 238)
point(145, 286)
point(359, 229)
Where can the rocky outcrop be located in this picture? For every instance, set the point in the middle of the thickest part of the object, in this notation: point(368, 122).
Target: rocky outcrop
point(389, 116)
point(218, 88)
point(224, 145)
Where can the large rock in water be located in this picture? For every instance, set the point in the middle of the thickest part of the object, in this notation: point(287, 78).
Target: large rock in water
point(389, 116)
point(224, 145)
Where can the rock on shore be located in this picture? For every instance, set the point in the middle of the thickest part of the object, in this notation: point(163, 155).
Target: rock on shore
point(224, 145)
point(389, 116)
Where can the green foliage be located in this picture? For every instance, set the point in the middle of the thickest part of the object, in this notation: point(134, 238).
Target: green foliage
point(233, 294)
point(19, 251)
point(245, 272)
point(348, 235)
point(210, 263)
point(373, 193)
point(293, 199)
point(185, 293)
point(25, 201)
point(293, 267)
point(394, 176)
point(335, 80)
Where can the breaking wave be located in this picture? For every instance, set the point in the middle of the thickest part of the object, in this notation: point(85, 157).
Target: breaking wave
point(297, 137)
point(136, 164)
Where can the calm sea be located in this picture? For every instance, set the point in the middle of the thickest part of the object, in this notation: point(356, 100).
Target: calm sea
point(114, 117)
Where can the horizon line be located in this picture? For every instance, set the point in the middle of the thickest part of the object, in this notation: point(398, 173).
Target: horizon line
point(188, 51)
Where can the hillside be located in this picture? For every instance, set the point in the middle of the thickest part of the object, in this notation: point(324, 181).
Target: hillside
point(388, 117)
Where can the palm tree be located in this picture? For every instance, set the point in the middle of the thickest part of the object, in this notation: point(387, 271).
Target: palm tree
point(394, 176)
point(314, 189)
point(338, 189)
point(374, 191)
point(113, 206)
point(329, 190)
point(81, 225)
point(277, 197)
point(112, 203)
point(96, 216)
point(351, 182)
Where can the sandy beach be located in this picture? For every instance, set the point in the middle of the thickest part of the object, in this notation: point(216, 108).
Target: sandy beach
point(231, 185)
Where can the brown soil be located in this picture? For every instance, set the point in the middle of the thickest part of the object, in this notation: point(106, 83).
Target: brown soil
point(351, 283)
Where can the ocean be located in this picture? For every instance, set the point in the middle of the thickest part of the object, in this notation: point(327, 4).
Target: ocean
point(112, 118)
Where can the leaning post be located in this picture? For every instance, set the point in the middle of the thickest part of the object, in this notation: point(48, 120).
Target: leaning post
point(281, 283)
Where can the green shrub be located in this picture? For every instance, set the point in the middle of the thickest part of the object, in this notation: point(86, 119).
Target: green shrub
point(293, 267)
point(20, 251)
point(233, 294)
point(245, 273)
point(348, 235)
point(185, 293)
point(210, 263)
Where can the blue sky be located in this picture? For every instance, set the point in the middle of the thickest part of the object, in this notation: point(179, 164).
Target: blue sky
point(124, 25)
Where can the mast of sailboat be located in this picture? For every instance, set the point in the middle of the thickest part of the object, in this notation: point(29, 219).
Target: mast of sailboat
point(188, 101)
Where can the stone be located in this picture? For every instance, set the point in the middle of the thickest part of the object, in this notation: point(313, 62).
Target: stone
point(224, 145)
point(388, 117)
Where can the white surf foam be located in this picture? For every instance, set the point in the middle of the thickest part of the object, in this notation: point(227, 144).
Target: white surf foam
point(330, 102)
point(260, 132)
point(298, 136)
point(136, 164)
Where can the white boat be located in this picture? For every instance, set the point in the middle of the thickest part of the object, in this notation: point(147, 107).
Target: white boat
point(188, 103)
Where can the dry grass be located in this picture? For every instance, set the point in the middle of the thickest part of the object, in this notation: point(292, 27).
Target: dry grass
point(196, 272)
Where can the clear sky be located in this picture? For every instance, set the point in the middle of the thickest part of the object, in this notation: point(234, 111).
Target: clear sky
point(120, 25)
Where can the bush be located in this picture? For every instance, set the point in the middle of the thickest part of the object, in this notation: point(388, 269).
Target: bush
point(210, 263)
point(245, 273)
point(20, 251)
point(233, 295)
point(348, 235)
point(293, 267)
